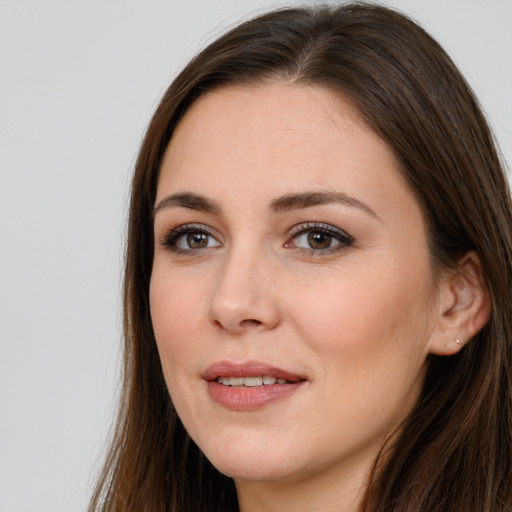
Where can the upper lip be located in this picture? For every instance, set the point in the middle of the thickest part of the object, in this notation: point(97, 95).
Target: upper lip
point(248, 369)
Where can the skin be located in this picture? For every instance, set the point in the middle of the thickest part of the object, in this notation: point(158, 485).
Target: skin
point(357, 321)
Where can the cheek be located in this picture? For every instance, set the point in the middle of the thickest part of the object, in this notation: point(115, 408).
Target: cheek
point(380, 311)
point(370, 343)
point(176, 313)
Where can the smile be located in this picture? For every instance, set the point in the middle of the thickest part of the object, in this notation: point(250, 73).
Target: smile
point(250, 385)
point(250, 382)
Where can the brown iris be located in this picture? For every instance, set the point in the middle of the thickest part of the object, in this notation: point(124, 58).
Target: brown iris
point(319, 240)
point(197, 240)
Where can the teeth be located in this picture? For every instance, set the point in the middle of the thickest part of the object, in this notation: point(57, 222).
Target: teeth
point(253, 381)
point(249, 381)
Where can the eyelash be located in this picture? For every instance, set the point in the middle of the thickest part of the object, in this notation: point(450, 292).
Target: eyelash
point(344, 239)
point(170, 240)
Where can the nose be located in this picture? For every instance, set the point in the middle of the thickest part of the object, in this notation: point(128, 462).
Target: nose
point(244, 296)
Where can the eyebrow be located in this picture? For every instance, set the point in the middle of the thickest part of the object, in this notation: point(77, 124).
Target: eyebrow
point(281, 204)
point(308, 199)
point(187, 200)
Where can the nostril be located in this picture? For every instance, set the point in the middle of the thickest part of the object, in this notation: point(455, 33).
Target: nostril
point(250, 322)
point(244, 324)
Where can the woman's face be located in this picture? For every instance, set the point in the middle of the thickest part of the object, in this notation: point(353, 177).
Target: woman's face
point(292, 295)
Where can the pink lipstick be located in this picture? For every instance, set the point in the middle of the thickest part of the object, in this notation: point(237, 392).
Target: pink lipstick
point(249, 385)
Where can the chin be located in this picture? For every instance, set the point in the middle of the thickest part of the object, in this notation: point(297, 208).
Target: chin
point(251, 459)
point(253, 471)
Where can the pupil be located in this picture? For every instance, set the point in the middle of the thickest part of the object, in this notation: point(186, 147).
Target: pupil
point(319, 240)
point(197, 240)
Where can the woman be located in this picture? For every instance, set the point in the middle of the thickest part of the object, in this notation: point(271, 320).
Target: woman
point(317, 288)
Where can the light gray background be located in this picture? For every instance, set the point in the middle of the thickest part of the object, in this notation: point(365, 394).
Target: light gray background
point(78, 83)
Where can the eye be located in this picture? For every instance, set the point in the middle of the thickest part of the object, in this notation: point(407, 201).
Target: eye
point(194, 241)
point(319, 237)
point(189, 238)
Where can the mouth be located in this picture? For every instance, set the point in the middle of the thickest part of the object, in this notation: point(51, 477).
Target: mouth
point(251, 382)
point(250, 374)
point(250, 385)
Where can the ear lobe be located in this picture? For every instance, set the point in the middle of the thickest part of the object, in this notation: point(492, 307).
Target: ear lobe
point(465, 306)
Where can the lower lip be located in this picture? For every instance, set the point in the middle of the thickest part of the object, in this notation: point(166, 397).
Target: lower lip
point(249, 398)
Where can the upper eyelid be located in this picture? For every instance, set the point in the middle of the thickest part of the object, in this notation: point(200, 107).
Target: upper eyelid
point(174, 233)
point(295, 230)
point(189, 226)
point(301, 226)
point(315, 225)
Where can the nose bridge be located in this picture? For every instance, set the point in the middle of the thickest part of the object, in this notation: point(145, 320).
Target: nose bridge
point(244, 292)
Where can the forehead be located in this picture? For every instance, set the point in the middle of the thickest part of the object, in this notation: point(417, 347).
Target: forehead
point(263, 119)
point(274, 139)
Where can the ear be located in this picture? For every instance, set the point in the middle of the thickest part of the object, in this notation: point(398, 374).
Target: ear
point(464, 306)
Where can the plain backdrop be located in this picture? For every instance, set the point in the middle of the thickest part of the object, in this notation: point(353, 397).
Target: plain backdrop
point(78, 83)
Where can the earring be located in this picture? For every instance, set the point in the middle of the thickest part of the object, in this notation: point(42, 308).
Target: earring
point(457, 340)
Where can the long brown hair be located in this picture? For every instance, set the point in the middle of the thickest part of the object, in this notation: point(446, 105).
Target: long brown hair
point(455, 451)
